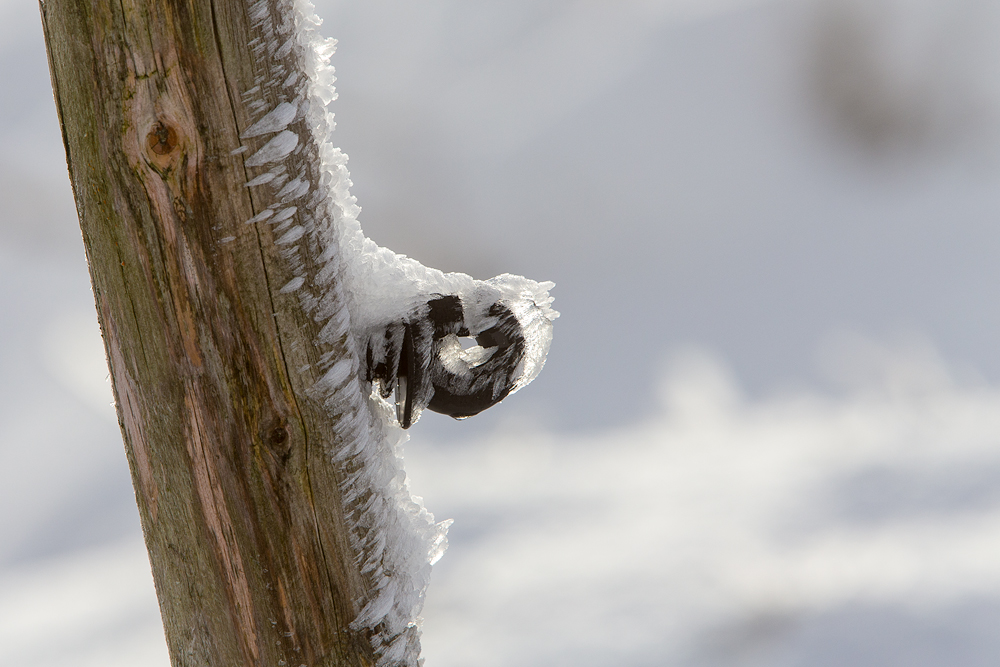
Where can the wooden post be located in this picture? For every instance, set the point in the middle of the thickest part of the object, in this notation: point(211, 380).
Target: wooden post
point(212, 356)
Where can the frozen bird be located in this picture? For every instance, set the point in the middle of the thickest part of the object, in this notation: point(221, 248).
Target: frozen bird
point(418, 355)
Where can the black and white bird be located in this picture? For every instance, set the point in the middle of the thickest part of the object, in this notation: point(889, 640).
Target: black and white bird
point(417, 355)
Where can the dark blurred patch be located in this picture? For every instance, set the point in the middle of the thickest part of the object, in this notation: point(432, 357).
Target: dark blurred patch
point(875, 111)
point(905, 79)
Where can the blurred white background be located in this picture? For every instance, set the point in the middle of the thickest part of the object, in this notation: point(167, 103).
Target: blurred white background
point(768, 433)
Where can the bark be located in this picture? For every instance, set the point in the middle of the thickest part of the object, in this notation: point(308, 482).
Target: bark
point(210, 360)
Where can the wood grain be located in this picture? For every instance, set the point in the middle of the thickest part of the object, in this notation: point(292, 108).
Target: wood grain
point(229, 455)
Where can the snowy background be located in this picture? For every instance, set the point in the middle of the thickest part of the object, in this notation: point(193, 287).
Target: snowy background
point(768, 433)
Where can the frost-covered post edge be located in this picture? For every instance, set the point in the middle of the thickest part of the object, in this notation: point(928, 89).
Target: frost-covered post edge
point(216, 218)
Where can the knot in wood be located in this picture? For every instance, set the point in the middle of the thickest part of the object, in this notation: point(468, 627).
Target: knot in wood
point(278, 436)
point(278, 441)
point(162, 139)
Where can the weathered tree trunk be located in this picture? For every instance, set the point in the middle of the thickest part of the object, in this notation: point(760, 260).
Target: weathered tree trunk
point(210, 358)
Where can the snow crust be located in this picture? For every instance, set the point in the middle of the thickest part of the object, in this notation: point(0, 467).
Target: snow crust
point(353, 287)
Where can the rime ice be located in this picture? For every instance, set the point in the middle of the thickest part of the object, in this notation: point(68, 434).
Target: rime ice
point(275, 120)
point(275, 149)
point(384, 309)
